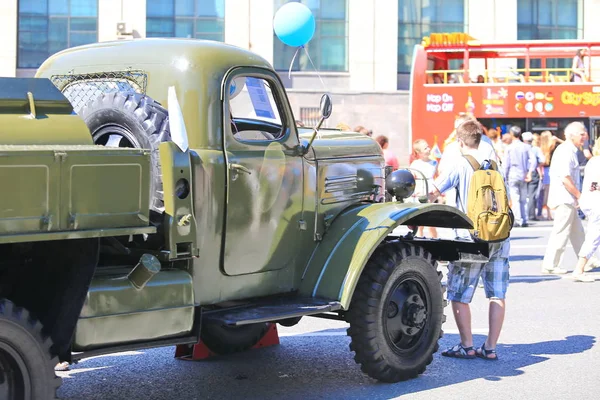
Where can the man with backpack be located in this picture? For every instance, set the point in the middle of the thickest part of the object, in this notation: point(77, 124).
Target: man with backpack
point(482, 195)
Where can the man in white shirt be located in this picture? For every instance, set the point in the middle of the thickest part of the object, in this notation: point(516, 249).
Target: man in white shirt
point(563, 199)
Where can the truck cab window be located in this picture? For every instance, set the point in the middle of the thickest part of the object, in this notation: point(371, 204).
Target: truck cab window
point(253, 110)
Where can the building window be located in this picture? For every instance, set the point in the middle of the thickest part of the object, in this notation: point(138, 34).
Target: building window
point(546, 20)
point(199, 19)
point(549, 19)
point(328, 48)
point(48, 26)
point(419, 18)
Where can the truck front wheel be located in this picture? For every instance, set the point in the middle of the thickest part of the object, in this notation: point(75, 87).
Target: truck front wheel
point(396, 313)
point(26, 364)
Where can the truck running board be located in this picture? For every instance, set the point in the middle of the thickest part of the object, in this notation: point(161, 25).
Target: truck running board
point(274, 310)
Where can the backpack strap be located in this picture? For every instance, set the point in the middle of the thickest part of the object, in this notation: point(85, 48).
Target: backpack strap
point(494, 165)
point(474, 164)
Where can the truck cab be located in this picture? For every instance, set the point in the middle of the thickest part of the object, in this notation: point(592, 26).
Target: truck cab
point(249, 221)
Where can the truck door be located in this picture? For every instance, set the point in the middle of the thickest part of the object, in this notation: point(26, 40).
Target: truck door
point(264, 174)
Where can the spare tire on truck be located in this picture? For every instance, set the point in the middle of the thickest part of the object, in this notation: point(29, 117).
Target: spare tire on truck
point(119, 119)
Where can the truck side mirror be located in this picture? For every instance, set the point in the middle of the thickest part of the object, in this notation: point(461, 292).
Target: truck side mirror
point(326, 108)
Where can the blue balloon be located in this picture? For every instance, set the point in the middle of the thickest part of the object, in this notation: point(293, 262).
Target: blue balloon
point(294, 24)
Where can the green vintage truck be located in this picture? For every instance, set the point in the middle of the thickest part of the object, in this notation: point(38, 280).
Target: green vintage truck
point(157, 192)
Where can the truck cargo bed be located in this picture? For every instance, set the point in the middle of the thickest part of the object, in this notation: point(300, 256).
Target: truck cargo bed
point(61, 192)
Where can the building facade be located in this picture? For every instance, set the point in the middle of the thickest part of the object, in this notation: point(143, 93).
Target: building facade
point(362, 49)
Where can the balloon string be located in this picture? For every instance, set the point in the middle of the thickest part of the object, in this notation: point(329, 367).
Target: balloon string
point(316, 70)
point(292, 63)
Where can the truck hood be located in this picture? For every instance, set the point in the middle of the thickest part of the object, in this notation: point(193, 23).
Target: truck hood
point(338, 144)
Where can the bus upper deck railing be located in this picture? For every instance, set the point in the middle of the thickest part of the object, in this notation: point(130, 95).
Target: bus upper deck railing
point(512, 75)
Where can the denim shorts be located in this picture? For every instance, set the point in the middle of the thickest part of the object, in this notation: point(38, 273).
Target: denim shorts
point(463, 277)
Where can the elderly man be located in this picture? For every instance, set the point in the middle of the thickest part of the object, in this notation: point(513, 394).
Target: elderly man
point(519, 164)
point(563, 199)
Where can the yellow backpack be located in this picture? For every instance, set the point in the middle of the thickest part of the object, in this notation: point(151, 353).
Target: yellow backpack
point(487, 203)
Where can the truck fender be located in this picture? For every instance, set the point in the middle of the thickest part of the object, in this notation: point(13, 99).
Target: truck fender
point(338, 260)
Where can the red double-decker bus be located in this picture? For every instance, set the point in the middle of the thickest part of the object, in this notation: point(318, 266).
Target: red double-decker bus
point(501, 84)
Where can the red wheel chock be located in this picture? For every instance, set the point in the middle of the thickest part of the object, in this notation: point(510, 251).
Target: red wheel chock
point(199, 351)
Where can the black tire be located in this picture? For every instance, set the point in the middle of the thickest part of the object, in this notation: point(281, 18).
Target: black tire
point(396, 313)
point(131, 120)
point(26, 363)
point(223, 339)
point(289, 321)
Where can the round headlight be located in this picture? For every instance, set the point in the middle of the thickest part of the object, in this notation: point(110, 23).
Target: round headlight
point(400, 183)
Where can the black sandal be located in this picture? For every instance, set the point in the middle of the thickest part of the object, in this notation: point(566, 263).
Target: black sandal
point(459, 351)
point(482, 352)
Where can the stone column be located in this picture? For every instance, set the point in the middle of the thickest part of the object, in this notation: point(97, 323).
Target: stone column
point(591, 30)
point(8, 33)
point(261, 28)
point(373, 44)
point(237, 23)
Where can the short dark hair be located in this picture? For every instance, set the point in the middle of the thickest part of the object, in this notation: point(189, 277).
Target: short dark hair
point(382, 140)
point(470, 133)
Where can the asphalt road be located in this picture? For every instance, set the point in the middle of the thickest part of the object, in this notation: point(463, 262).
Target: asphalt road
point(547, 351)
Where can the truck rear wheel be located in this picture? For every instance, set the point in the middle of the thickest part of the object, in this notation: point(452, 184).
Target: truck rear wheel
point(396, 313)
point(119, 119)
point(26, 363)
point(223, 339)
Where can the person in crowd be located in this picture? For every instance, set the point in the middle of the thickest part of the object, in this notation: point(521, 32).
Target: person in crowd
point(507, 139)
point(499, 146)
point(578, 70)
point(343, 127)
point(563, 200)
point(518, 170)
point(589, 200)
point(463, 277)
point(427, 167)
point(363, 130)
point(533, 187)
point(584, 153)
point(548, 143)
point(388, 155)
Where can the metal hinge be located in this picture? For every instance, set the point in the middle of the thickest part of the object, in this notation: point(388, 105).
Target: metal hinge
point(302, 225)
point(60, 156)
point(73, 223)
point(46, 222)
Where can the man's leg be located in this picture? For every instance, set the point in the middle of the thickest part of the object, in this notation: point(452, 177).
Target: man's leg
point(496, 319)
point(461, 284)
point(462, 316)
point(523, 201)
point(532, 191)
point(563, 215)
point(577, 234)
point(496, 275)
point(515, 196)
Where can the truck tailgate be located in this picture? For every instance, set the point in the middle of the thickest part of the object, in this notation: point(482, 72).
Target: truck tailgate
point(58, 192)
